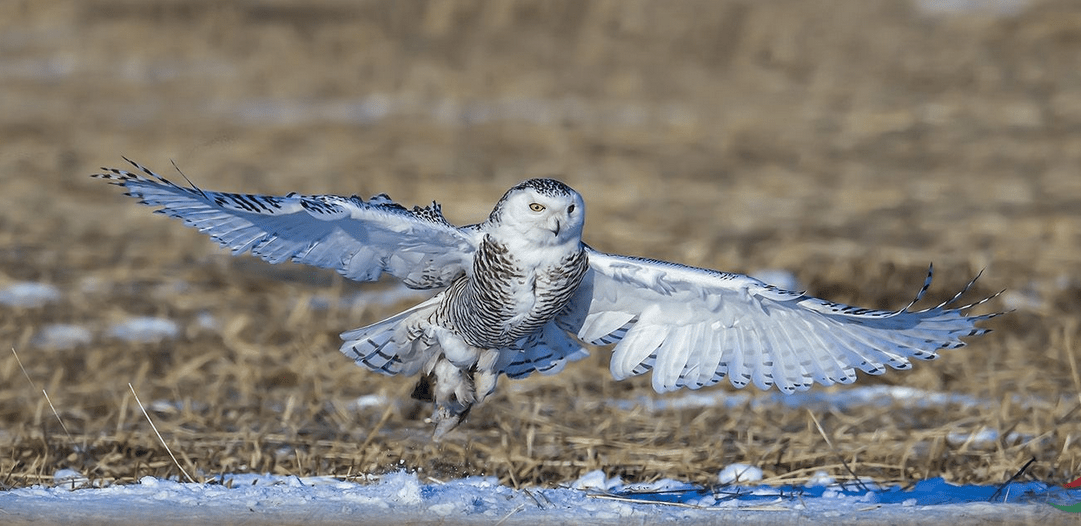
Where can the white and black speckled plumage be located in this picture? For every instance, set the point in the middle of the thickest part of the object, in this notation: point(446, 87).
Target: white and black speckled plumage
point(521, 291)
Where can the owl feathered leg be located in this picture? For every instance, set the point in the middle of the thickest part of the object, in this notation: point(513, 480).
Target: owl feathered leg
point(456, 390)
point(485, 374)
point(449, 410)
point(454, 398)
point(461, 376)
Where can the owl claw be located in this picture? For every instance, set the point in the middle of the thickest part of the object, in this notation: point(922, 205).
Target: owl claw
point(453, 394)
point(447, 418)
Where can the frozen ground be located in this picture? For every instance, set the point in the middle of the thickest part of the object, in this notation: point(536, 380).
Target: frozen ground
point(593, 499)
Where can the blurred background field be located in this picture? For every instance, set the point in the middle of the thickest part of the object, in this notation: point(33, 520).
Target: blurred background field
point(846, 143)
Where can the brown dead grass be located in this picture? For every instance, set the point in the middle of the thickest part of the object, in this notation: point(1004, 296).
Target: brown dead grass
point(849, 143)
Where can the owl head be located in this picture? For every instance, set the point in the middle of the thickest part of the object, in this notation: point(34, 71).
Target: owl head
point(542, 211)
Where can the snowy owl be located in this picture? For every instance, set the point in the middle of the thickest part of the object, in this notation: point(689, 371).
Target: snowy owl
point(522, 292)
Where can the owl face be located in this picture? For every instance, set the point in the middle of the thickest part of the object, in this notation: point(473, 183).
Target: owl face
point(542, 211)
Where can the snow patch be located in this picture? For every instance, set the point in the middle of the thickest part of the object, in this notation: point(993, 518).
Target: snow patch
point(1001, 8)
point(982, 438)
point(402, 498)
point(856, 396)
point(145, 329)
point(820, 478)
point(62, 336)
point(739, 474)
point(206, 321)
point(404, 488)
point(596, 480)
point(69, 478)
point(371, 400)
point(28, 294)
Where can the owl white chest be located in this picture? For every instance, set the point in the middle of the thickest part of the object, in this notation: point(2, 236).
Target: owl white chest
point(508, 295)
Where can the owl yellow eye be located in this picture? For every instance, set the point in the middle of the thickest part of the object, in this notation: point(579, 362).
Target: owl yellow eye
point(536, 207)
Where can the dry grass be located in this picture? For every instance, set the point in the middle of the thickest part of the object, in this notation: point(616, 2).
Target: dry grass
point(851, 144)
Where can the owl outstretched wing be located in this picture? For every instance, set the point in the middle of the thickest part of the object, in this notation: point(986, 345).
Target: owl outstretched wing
point(693, 327)
point(359, 239)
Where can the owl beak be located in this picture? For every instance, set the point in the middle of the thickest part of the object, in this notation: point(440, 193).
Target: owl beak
point(557, 228)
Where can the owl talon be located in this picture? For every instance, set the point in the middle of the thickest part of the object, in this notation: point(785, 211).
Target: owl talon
point(447, 418)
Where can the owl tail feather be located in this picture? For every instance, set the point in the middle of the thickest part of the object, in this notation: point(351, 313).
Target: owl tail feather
point(396, 345)
point(407, 343)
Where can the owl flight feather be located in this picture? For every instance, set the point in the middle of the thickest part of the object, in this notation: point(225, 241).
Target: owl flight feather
point(522, 292)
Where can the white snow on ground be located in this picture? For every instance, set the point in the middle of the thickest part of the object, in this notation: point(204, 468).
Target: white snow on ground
point(28, 294)
point(739, 473)
point(145, 329)
point(1002, 8)
point(594, 499)
point(61, 336)
point(849, 397)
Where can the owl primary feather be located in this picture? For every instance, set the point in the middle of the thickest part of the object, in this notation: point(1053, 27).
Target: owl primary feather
point(522, 292)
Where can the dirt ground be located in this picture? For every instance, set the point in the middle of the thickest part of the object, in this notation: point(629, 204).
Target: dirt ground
point(850, 143)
